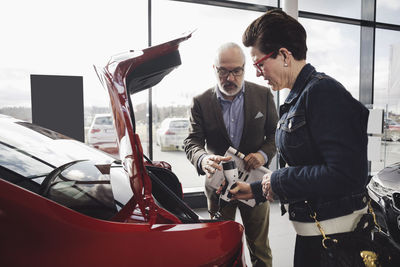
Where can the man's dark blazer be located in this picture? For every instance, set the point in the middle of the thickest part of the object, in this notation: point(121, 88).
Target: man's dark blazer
point(208, 133)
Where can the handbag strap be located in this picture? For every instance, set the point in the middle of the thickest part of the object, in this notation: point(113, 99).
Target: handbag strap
point(370, 258)
point(325, 238)
point(371, 210)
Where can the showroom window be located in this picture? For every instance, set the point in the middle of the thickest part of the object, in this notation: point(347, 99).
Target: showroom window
point(341, 8)
point(387, 94)
point(212, 27)
point(336, 53)
point(387, 11)
point(68, 37)
point(334, 48)
point(259, 2)
point(64, 38)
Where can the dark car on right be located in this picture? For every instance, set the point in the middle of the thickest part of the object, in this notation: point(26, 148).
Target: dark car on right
point(384, 191)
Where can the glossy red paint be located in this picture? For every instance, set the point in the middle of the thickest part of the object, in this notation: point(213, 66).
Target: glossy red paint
point(35, 231)
point(115, 75)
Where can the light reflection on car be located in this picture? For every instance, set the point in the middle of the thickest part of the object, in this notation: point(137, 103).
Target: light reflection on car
point(65, 203)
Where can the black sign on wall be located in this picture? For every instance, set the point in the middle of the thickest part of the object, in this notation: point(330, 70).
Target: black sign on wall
point(57, 104)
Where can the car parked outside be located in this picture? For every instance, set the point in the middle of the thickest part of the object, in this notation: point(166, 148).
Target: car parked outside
point(64, 203)
point(172, 133)
point(392, 130)
point(102, 135)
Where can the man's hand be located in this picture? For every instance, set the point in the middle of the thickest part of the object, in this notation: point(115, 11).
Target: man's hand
point(242, 190)
point(253, 161)
point(266, 187)
point(210, 163)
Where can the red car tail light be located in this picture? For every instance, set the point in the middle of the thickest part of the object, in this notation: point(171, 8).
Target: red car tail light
point(168, 132)
point(95, 131)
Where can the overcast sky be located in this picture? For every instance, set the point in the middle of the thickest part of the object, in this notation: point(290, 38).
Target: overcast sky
point(68, 37)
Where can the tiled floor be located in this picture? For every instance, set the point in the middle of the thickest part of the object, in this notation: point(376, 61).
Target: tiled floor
point(281, 236)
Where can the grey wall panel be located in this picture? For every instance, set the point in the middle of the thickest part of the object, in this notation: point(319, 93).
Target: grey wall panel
point(57, 104)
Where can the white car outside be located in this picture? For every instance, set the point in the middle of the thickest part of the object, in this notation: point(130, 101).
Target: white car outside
point(172, 133)
point(102, 134)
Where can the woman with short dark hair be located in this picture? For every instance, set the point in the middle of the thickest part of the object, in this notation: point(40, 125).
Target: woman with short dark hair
point(321, 136)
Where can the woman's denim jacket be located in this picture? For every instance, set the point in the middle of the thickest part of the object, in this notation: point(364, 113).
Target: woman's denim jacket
point(322, 136)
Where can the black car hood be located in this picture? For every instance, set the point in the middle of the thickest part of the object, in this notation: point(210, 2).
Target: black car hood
point(390, 176)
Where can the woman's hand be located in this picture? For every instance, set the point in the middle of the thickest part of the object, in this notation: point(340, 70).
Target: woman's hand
point(241, 191)
point(266, 187)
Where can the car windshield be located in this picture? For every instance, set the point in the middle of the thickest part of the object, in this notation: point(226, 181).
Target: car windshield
point(179, 124)
point(22, 163)
point(82, 186)
point(104, 120)
point(46, 145)
point(35, 158)
point(49, 133)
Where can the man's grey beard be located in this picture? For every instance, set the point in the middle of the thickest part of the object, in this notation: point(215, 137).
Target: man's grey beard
point(232, 92)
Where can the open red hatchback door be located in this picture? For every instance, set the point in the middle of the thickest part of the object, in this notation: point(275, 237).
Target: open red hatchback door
point(63, 203)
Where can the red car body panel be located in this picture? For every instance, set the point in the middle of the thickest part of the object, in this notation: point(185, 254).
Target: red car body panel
point(130, 151)
point(36, 231)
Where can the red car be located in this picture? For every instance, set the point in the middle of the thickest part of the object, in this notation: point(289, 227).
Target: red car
point(63, 203)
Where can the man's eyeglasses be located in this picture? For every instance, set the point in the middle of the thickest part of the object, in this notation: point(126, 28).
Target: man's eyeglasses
point(223, 73)
point(258, 64)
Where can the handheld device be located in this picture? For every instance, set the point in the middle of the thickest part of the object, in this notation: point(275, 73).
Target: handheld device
point(231, 175)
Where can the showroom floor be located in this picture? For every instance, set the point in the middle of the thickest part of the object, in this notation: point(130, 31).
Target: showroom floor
point(281, 236)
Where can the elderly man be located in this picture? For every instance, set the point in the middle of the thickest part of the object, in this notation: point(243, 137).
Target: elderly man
point(240, 114)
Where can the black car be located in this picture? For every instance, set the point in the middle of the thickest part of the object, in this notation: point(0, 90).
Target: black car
point(384, 191)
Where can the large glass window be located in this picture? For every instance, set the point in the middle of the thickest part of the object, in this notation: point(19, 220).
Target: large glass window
point(259, 2)
point(140, 108)
point(65, 38)
point(387, 93)
point(68, 37)
point(334, 48)
point(342, 8)
point(388, 11)
point(172, 97)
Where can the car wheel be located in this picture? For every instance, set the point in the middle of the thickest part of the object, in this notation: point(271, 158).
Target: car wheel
point(163, 147)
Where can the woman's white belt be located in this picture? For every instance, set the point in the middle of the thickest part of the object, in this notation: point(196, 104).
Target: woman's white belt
point(336, 225)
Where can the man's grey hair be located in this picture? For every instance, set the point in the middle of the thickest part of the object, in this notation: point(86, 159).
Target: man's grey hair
point(227, 46)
